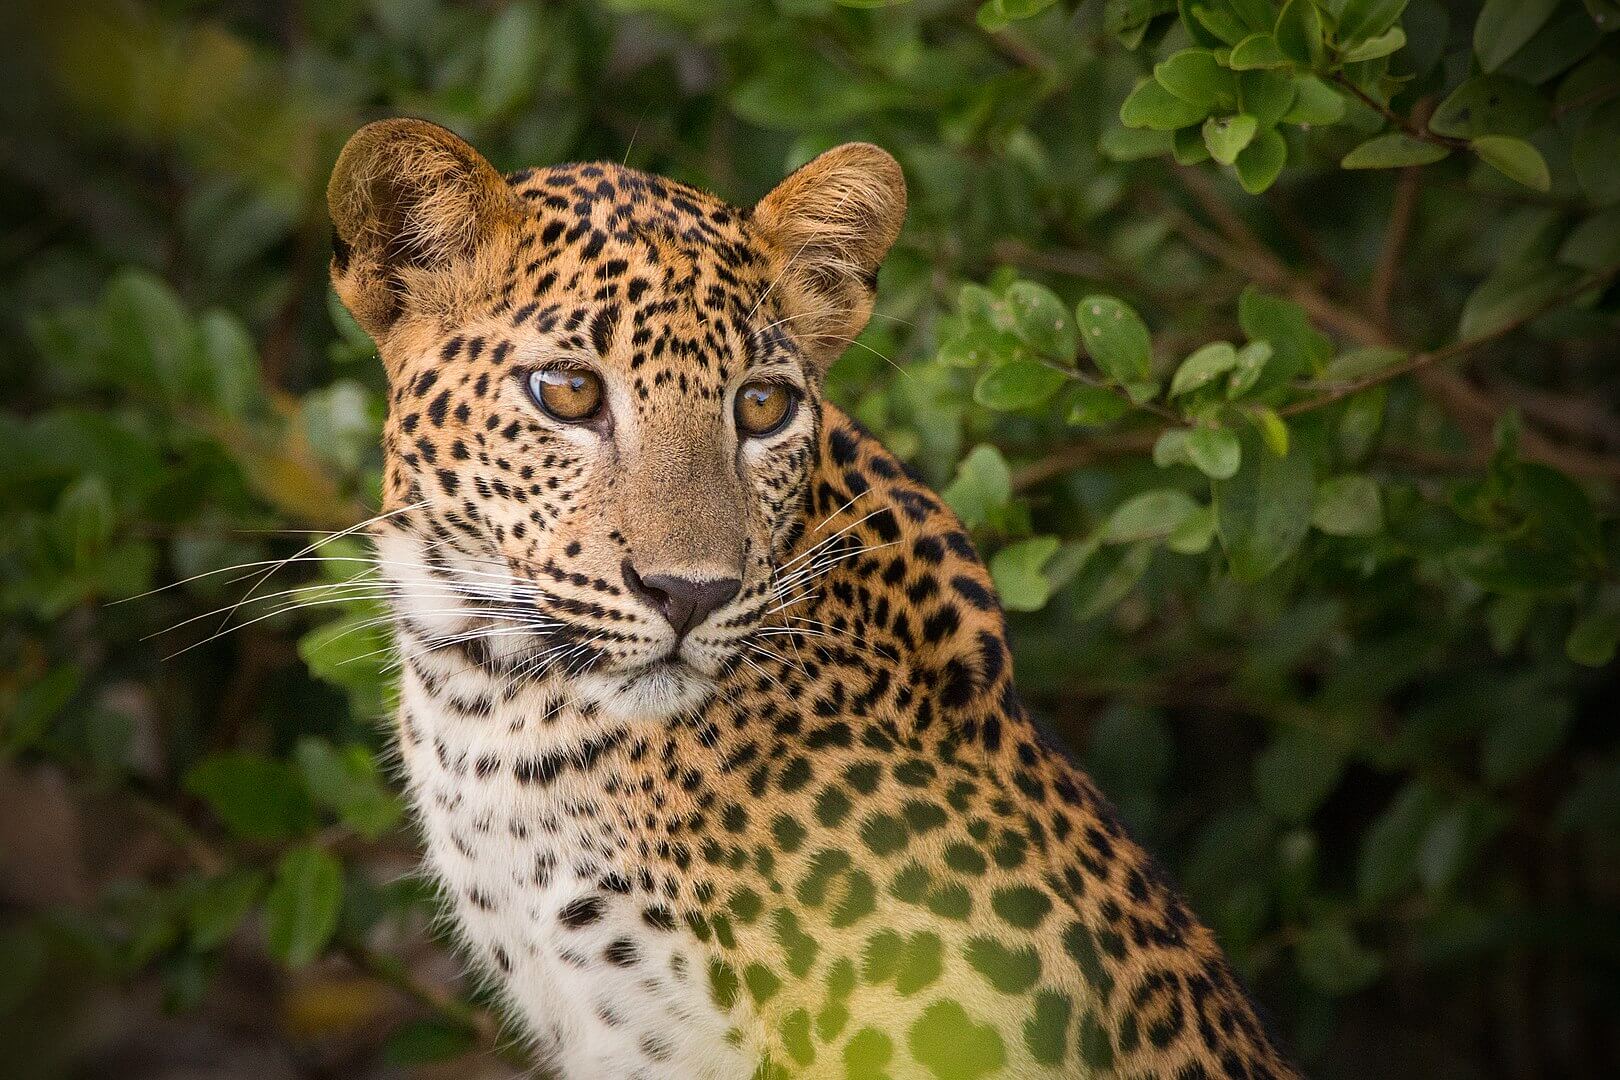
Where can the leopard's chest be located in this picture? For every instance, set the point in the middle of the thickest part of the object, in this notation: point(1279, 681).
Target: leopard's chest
point(547, 896)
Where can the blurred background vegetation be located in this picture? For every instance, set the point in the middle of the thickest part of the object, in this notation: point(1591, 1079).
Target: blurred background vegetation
point(1270, 349)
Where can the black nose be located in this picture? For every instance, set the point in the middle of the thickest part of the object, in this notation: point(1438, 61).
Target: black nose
point(684, 602)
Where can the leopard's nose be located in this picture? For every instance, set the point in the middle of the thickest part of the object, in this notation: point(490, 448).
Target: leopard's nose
point(683, 601)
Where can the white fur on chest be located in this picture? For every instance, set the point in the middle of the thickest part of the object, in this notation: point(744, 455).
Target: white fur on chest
point(547, 900)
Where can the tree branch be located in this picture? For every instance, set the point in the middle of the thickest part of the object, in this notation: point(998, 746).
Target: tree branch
point(1423, 360)
point(1382, 286)
point(1406, 124)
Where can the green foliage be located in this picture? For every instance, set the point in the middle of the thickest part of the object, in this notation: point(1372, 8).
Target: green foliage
point(1265, 348)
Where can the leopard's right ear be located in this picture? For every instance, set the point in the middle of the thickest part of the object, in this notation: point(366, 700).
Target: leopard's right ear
point(408, 198)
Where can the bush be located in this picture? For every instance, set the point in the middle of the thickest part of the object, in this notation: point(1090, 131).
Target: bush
point(1267, 348)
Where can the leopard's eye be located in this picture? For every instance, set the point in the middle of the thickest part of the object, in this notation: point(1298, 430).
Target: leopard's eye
point(764, 408)
point(571, 394)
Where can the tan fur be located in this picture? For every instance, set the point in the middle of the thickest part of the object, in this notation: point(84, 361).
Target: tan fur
point(815, 834)
point(422, 214)
point(829, 226)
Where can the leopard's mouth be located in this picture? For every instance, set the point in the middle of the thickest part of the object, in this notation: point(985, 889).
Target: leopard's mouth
point(652, 690)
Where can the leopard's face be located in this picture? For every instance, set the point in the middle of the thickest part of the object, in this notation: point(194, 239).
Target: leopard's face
point(604, 402)
point(630, 449)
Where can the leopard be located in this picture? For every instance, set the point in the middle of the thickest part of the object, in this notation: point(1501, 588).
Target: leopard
point(706, 709)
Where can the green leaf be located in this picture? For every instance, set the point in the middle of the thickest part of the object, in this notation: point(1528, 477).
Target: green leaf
point(1297, 772)
point(231, 361)
point(514, 58)
point(1104, 587)
point(83, 521)
point(983, 484)
point(1490, 105)
point(1128, 20)
point(1348, 505)
point(1394, 150)
point(1261, 162)
point(349, 652)
point(1194, 76)
point(301, 911)
point(1210, 25)
point(153, 334)
point(1251, 363)
point(1152, 106)
point(1215, 452)
point(1387, 864)
point(1203, 367)
point(1522, 738)
point(1256, 52)
point(220, 905)
point(1315, 103)
point(1363, 19)
point(1296, 345)
point(1135, 144)
point(1273, 429)
point(425, 1042)
point(1594, 244)
point(1592, 639)
point(1595, 150)
point(1299, 33)
point(975, 346)
point(257, 798)
point(1116, 338)
point(1515, 159)
point(1376, 48)
point(1016, 570)
point(1141, 391)
point(1170, 448)
point(1358, 363)
point(1017, 384)
point(1195, 533)
point(1267, 96)
point(1497, 302)
point(349, 783)
point(1227, 135)
point(1504, 26)
point(1042, 321)
point(1095, 406)
point(1148, 516)
point(1333, 961)
point(1263, 511)
point(1189, 147)
point(1361, 422)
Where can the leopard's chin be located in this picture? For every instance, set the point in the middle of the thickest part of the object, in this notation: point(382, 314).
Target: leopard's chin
point(654, 691)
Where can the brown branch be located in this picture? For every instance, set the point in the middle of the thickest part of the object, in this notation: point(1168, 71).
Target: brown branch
point(1420, 361)
point(1405, 123)
point(1595, 96)
point(1083, 452)
point(1570, 460)
point(1382, 286)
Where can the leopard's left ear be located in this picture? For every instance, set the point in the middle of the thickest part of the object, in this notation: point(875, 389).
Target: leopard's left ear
point(828, 226)
point(409, 200)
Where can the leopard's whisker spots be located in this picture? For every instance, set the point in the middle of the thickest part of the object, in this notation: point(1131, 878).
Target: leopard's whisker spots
point(331, 538)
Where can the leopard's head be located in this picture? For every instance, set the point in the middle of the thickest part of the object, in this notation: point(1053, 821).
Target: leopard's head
point(604, 398)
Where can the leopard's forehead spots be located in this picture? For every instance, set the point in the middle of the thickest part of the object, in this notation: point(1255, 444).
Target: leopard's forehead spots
point(662, 278)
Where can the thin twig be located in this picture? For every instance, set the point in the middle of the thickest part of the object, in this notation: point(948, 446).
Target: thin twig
point(1382, 286)
point(1405, 123)
point(1423, 360)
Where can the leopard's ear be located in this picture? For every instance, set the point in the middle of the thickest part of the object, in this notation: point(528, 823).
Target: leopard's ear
point(828, 226)
point(408, 197)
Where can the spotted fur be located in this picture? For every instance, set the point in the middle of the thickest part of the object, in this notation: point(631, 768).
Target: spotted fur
point(818, 836)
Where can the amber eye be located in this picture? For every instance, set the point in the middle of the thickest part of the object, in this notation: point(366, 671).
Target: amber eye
point(572, 395)
point(764, 408)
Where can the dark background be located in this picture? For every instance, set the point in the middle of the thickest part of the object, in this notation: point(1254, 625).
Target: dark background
point(1372, 734)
